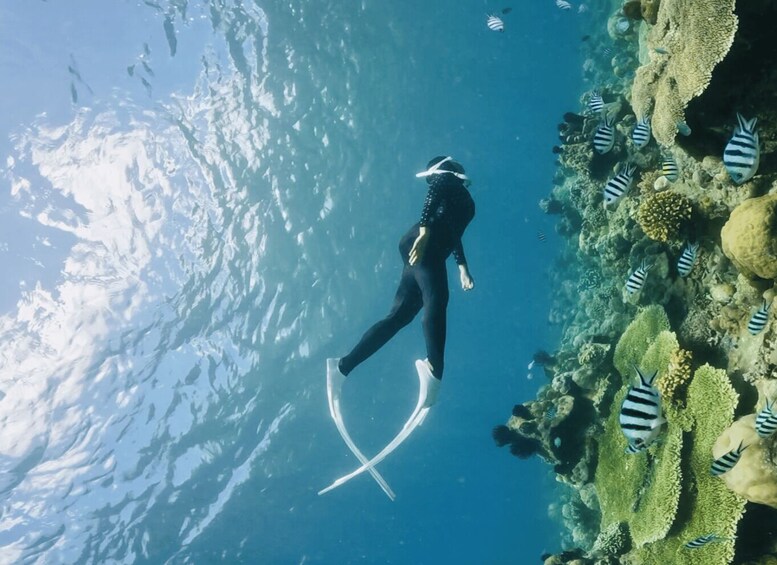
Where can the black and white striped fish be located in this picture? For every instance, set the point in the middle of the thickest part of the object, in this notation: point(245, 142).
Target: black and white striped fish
point(604, 136)
point(641, 133)
point(669, 168)
point(596, 102)
point(494, 23)
point(541, 236)
point(758, 320)
point(701, 541)
point(687, 259)
point(619, 184)
point(637, 278)
point(726, 462)
point(742, 153)
point(640, 416)
point(563, 4)
point(766, 421)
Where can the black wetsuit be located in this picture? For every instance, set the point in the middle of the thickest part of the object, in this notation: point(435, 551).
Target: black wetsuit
point(448, 210)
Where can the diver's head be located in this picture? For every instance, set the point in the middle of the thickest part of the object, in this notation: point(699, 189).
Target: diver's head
point(444, 167)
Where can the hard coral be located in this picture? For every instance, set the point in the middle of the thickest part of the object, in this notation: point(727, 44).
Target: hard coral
point(755, 475)
point(672, 384)
point(661, 215)
point(696, 36)
point(749, 238)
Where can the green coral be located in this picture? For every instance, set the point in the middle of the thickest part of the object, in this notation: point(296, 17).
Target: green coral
point(637, 338)
point(661, 215)
point(709, 507)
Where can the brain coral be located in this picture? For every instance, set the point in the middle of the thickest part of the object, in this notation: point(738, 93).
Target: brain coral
point(755, 475)
point(662, 214)
point(749, 237)
point(696, 36)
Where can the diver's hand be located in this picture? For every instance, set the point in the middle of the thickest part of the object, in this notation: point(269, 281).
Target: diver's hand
point(467, 282)
point(419, 246)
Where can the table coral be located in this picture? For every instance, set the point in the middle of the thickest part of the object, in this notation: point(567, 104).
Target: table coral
point(696, 37)
point(661, 215)
point(749, 238)
point(637, 338)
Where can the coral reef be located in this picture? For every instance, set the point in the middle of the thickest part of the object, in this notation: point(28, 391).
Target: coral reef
point(673, 382)
point(637, 338)
point(749, 238)
point(755, 475)
point(661, 215)
point(689, 40)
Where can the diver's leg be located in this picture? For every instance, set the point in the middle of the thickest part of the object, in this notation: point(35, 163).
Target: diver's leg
point(407, 304)
point(432, 279)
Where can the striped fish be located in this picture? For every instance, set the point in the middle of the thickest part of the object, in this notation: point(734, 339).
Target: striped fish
point(619, 184)
point(766, 421)
point(726, 462)
point(494, 23)
point(637, 278)
point(687, 259)
point(640, 416)
point(742, 153)
point(701, 541)
point(604, 137)
point(541, 236)
point(758, 320)
point(669, 168)
point(641, 133)
point(563, 4)
point(596, 102)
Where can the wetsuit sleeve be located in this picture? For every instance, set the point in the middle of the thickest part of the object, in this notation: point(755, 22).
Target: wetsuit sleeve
point(458, 253)
point(432, 203)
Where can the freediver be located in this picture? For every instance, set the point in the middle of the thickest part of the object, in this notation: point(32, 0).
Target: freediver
point(448, 210)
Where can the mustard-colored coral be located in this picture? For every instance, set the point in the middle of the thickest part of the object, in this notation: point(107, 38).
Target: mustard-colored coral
point(662, 214)
point(692, 38)
point(673, 382)
point(755, 475)
point(749, 238)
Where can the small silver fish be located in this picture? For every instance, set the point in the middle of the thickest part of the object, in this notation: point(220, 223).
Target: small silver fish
point(687, 259)
point(743, 152)
point(766, 421)
point(637, 278)
point(641, 134)
point(758, 320)
point(726, 462)
point(494, 23)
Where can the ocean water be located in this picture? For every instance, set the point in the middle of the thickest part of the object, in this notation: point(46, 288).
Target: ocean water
point(200, 203)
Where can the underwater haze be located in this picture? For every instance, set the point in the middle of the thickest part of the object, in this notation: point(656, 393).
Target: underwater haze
point(201, 202)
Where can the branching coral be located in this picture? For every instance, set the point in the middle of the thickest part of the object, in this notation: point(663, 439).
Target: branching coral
point(673, 382)
point(661, 215)
point(694, 37)
point(749, 237)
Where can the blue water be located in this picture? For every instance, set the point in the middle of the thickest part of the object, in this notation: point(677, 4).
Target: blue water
point(200, 203)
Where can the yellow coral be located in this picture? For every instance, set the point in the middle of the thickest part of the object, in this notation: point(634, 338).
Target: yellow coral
point(695, 37)
point(662, 214)
point(749, 238)
point(672, 384)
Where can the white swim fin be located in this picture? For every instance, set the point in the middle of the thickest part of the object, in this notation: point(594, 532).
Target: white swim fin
point(334, 384)
point(427, 396)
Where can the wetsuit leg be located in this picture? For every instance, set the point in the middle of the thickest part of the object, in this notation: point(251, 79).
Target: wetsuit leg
point(407, 303)
point(432, 279)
